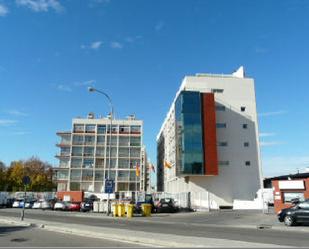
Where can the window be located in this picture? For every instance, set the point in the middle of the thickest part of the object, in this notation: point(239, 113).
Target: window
point(89, 140)
point(88, 163)
point(62, 175)
point(101, 129)
point(100, 140)
point(220, 108)
point(123, 163)
point(78, 140)
point(100, 151)
point(114, 128)
point(90, 128)
point(78, 128)
point(248, 163)
point(242, 108)
point(135, 129)
point(99, 175)
point(289, 196)
point(124, 141)
point(75, 175)
point(65, 151)
point(87, 175)
point(135, 152)
point(123, 152)
point(135, 141)
point(223, 144)
point(64, 163)
point(245, 126)
point(221, 125)
point(111, 176)
point(77, 151)
point(224, 163)
point(246, 144)
point(88, 151)
point(74, 186)
point(124, 129)
point(217, 90)
point(99, 163)
point(114, 140)
point(76, 163)
point(123, 175)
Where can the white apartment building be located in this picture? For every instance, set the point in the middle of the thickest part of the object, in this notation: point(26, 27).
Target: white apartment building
point(209, 139)
point(84, 155)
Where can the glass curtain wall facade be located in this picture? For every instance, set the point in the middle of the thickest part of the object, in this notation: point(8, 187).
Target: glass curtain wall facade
point(189, 134)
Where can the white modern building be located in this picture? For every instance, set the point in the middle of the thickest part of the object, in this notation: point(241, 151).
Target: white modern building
point(85, 158)
point(208, 142)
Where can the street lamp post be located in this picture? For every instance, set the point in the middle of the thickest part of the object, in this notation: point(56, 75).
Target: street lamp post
point(92, 89)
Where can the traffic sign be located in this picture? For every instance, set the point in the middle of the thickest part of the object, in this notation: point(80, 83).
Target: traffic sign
point(26, 180)
point(109, 186)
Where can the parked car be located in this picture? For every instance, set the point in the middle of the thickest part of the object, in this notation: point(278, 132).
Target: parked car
point(29, 204)
point(296, 214)
point(37, 205)
point(166, 205)
point(61, 205)
point(9, 203)
point(16, 204)
point(74, 206)
point(46, 205)
point(86, 206)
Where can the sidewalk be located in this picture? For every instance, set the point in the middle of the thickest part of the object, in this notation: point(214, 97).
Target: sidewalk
point(137, 237)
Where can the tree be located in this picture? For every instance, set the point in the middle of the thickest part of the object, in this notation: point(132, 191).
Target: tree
point(40, 174)
point(3, 179)
point(15, 175)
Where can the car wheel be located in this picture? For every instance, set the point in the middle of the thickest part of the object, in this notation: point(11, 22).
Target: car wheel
point(289, 221)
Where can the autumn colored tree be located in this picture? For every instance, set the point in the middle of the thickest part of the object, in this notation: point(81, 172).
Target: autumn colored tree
point(15, 175)
point(39, 172)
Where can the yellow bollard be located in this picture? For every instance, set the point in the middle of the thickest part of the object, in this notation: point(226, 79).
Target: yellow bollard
point(130, 208)
point(146, 210)
point(121, 210)
point(115, 210)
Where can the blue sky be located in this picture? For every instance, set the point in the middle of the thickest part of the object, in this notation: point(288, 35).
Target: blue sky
point(138, 52)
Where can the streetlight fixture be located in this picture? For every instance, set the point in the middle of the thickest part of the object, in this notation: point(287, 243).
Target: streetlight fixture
point(92, 89)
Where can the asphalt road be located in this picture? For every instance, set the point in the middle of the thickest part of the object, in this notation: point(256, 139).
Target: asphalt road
point(193, 227)
point(20, 236)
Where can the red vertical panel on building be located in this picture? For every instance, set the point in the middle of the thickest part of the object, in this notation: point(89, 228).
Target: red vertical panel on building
point(209, 134)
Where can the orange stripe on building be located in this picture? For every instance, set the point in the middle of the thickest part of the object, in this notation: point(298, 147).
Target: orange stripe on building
point(209, 134)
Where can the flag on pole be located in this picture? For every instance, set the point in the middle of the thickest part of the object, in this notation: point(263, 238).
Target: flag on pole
point(167, 164)
point(137, 170)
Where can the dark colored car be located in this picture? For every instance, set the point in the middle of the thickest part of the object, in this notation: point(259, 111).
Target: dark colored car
point(86, 206)
point(296, 214)
point(166, 205)
point(9, 202)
